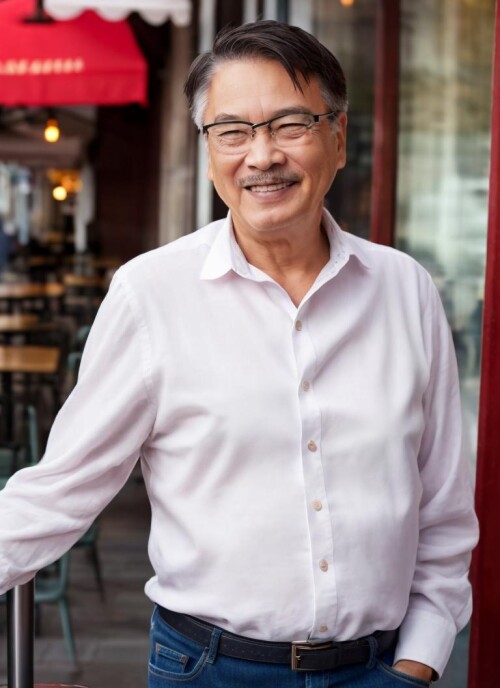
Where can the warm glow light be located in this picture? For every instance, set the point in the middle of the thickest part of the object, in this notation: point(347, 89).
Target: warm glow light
point(52, 132)
point(347, 3)
point(60, 193)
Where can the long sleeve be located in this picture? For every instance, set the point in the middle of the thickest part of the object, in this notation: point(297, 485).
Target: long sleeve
point(93, 445)
point(440, 599)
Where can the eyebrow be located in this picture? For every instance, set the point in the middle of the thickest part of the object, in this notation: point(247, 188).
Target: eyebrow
point(293, 110)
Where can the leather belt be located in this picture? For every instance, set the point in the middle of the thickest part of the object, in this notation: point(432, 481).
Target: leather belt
point(300, 655)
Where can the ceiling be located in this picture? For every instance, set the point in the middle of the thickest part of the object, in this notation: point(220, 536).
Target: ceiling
point(22, 141)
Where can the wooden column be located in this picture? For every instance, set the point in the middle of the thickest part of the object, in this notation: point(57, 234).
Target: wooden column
point(385, 142)
point(484, 658)
point(178, 142)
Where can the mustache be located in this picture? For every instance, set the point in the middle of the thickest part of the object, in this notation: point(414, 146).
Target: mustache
point(255, 179)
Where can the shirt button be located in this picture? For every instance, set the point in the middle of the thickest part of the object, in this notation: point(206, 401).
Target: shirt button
point(317, 506)
point(323, 629)
point(323, 565)
point(306, 386)
point(312, 446)
point(298, 325)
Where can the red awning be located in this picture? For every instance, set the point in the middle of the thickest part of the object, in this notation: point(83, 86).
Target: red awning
point(84, 61)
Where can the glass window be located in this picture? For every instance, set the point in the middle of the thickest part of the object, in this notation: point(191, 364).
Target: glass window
point(444, 139)
point(348, 30)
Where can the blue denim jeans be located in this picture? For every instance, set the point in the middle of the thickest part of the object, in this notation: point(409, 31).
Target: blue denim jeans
point(178, 661)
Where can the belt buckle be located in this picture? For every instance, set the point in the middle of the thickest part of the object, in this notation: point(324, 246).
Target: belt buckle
point(299, 646)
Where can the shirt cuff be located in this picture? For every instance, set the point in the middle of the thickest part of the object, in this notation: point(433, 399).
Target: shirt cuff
point(426, 638)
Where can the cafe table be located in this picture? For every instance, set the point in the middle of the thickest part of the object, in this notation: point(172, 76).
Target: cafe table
point(75, 281)
point(13, 294)
point(28, 360)
point(14, 324)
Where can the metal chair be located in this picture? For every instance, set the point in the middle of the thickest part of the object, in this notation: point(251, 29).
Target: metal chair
point(51, 587)
point(22, 453)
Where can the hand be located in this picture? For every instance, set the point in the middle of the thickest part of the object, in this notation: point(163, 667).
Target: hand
point(416, 669)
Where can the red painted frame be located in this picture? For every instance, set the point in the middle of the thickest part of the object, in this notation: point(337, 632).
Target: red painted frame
point(484, 656)
point(385, 140)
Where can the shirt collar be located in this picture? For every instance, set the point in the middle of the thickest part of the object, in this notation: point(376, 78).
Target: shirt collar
point(226, 255)
point(343, 245)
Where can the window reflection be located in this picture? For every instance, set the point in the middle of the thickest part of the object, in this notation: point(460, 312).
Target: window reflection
point(444, 138)
point(349, 32)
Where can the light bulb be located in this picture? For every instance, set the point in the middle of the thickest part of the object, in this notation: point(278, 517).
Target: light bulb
point(52, 132)
point(59, 193)
point(347, 3)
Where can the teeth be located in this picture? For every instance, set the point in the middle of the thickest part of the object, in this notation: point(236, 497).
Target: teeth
point(269, 187)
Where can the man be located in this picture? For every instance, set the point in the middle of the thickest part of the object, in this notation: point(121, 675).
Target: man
point(293, 396)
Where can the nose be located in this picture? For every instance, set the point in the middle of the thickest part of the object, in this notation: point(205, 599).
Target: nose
point(263, 152)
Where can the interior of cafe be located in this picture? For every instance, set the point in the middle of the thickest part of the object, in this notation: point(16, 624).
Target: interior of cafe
point(53, 272)
point(81, 103)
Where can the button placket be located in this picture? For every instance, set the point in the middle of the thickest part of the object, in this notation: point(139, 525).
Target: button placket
point(318, 512)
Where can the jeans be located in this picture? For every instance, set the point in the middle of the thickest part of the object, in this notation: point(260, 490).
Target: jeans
point(179, 661)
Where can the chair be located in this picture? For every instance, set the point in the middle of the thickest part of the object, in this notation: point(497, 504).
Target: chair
point(25, 452)
point(81, 337)
point(51, 586)
point(83, 296)
point(51, 583)
point(89, 540)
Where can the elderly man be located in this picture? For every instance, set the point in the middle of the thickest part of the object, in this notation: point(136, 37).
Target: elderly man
point(292, 393)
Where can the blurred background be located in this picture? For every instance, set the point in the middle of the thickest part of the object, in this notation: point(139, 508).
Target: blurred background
point(99, 162)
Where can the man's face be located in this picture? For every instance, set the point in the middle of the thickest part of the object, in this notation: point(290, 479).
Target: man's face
point(272, 189)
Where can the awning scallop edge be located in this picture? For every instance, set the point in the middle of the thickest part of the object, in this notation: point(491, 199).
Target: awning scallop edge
point(153, 11)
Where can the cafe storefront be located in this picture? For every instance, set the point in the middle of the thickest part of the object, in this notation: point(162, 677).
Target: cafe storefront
point(423, 175)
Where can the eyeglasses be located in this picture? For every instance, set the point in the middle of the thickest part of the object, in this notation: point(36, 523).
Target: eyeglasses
point(235, 136)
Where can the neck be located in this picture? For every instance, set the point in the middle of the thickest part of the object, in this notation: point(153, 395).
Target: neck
point(293, 262)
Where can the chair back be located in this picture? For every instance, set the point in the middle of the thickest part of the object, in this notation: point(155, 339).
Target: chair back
point(25, 452)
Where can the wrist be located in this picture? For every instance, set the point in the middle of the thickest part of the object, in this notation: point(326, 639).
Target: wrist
point(416, 669)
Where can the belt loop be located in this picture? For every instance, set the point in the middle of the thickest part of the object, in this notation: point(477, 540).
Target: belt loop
point(214, 645)
point(372, 642)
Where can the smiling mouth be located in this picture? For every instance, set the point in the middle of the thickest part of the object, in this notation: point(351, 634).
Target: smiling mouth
point(268, 188)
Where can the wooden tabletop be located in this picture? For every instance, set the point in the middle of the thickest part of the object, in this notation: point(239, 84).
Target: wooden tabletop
point(10, 324)
point(31, 290)
point(71, 279)
point(100, 262)
point(29, 359)
point(53, 238)
point(106, 263)
point(42, 261)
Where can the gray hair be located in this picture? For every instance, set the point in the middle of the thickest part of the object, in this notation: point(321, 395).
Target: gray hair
point(297, 51)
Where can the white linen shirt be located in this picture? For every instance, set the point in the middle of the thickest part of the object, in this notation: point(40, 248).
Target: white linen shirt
point(304, 464)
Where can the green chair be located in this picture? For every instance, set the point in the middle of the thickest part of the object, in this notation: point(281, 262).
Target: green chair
point(51, 587)
point(25, 451)
point(81, 337)
point(89, 541)
point(51, 583)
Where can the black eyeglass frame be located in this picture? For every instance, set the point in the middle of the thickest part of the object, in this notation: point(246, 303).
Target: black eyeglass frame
point(268, 122)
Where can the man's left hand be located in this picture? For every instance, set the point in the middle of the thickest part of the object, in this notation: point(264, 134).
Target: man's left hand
point(416, 669)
